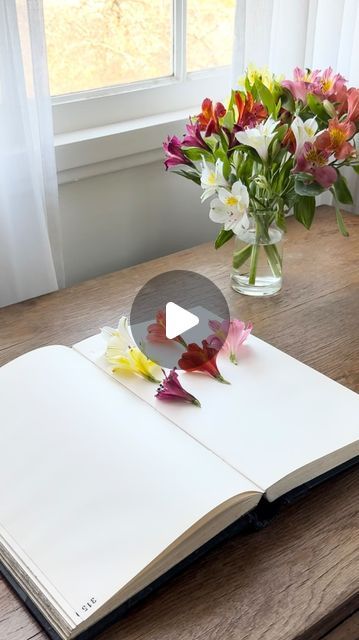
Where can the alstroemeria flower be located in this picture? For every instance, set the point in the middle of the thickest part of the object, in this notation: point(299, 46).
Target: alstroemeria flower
point(263, 74)
point(303, 132)
point(315, 161)
point(172, 390)
point(122, 353)
point(335, 139)
point(329, 84)
point(353, 105)
point(250, 113)
point(208, 119)
point(230, 206)
point(228, 336)
point(134, 362)
point(302, 84)
point(174, 153)
point(193, 137)
point(156, 332)
point(202, 359)
point(211, 178)
point(121, 337)
point(259, 137)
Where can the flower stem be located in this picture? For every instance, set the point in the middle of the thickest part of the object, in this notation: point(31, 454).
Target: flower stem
point(274, 260)
point(253, 264)
point(241, 256)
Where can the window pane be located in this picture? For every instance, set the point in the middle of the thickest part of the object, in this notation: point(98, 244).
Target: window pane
point(210, 28)
point(99, 43)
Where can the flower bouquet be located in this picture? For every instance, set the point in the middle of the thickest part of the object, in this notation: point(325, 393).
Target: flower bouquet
point(276, 146)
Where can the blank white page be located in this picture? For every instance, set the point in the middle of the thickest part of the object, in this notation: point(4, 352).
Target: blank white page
point(97, 482)
point(277, 416)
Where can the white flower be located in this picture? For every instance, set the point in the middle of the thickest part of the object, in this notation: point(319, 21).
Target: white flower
point(120, 338)
point(211, 178)
point(259, 137)
point(230, 206)
point(303, 132)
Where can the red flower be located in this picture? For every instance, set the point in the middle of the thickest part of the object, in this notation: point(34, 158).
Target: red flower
point(156, 332)
point(250, 112)
point(171, 389)
point(335, 139)
point(201, 359)
point(174, 153)
point(315, 161)
point(289, 141)
point(208, 119)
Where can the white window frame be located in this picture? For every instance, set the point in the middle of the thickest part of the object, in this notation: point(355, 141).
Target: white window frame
point(139, 115)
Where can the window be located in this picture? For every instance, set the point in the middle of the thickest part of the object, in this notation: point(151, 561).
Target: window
point(100, 43)
point(126, 73)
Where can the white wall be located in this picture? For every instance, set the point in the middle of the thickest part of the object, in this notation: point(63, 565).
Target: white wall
point(119, 219)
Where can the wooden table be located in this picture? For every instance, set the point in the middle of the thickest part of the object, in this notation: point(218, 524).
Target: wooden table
point(298, 578)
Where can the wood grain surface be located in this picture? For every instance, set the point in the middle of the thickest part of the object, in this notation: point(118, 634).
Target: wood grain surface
point(299, 578)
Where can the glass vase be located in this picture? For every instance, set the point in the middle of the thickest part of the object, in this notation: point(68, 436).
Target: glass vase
point(257, 257)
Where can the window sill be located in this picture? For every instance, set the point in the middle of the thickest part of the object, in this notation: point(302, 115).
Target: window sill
point(110, 148)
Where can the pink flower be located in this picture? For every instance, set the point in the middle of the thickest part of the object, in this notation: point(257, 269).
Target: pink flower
point(335, 139)
point(304, 82)
point(353, 104)
point(171, 389)
point(229, 336)
point(156, 332)
point(315, 161)
point(172, 148)
point(193, 138)
point(329, 85)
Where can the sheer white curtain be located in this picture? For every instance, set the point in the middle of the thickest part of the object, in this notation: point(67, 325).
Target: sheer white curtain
point(283, 34)
point(30, 244)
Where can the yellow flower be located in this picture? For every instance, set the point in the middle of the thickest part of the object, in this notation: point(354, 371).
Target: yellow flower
point(254, 73)
point(134, 361)
point(125, 356)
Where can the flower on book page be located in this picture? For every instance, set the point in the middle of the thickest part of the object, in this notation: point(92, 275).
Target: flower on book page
point(201, 359)
point(134, 361)
point(119, 338)
point(172, 390)
point(228, 336)
point(125, 357)
point(156, 332)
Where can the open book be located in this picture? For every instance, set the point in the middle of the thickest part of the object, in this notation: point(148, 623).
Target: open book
point(105, 488)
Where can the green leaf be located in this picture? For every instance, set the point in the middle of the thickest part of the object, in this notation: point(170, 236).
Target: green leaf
point(240, 257)
point(228, 120)
point(194, 153)
point(316, 106)
point(304, 210)
point(266, 97)
point(222, 238)
point(307, 188)
point(287, 100)
point(281, 131)
point(342, 190)
point(190, 175)
point(355, 167)
point(340, 222)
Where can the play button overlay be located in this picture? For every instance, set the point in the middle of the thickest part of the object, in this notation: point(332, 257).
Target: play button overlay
point(178, 320)
point(173, 310)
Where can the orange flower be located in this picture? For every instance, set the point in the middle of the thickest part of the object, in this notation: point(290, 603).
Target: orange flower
point(250, 112)
point(208, 119)
point(335, 139)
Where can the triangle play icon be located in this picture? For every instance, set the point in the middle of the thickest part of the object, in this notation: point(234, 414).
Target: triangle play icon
point(178, 320)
